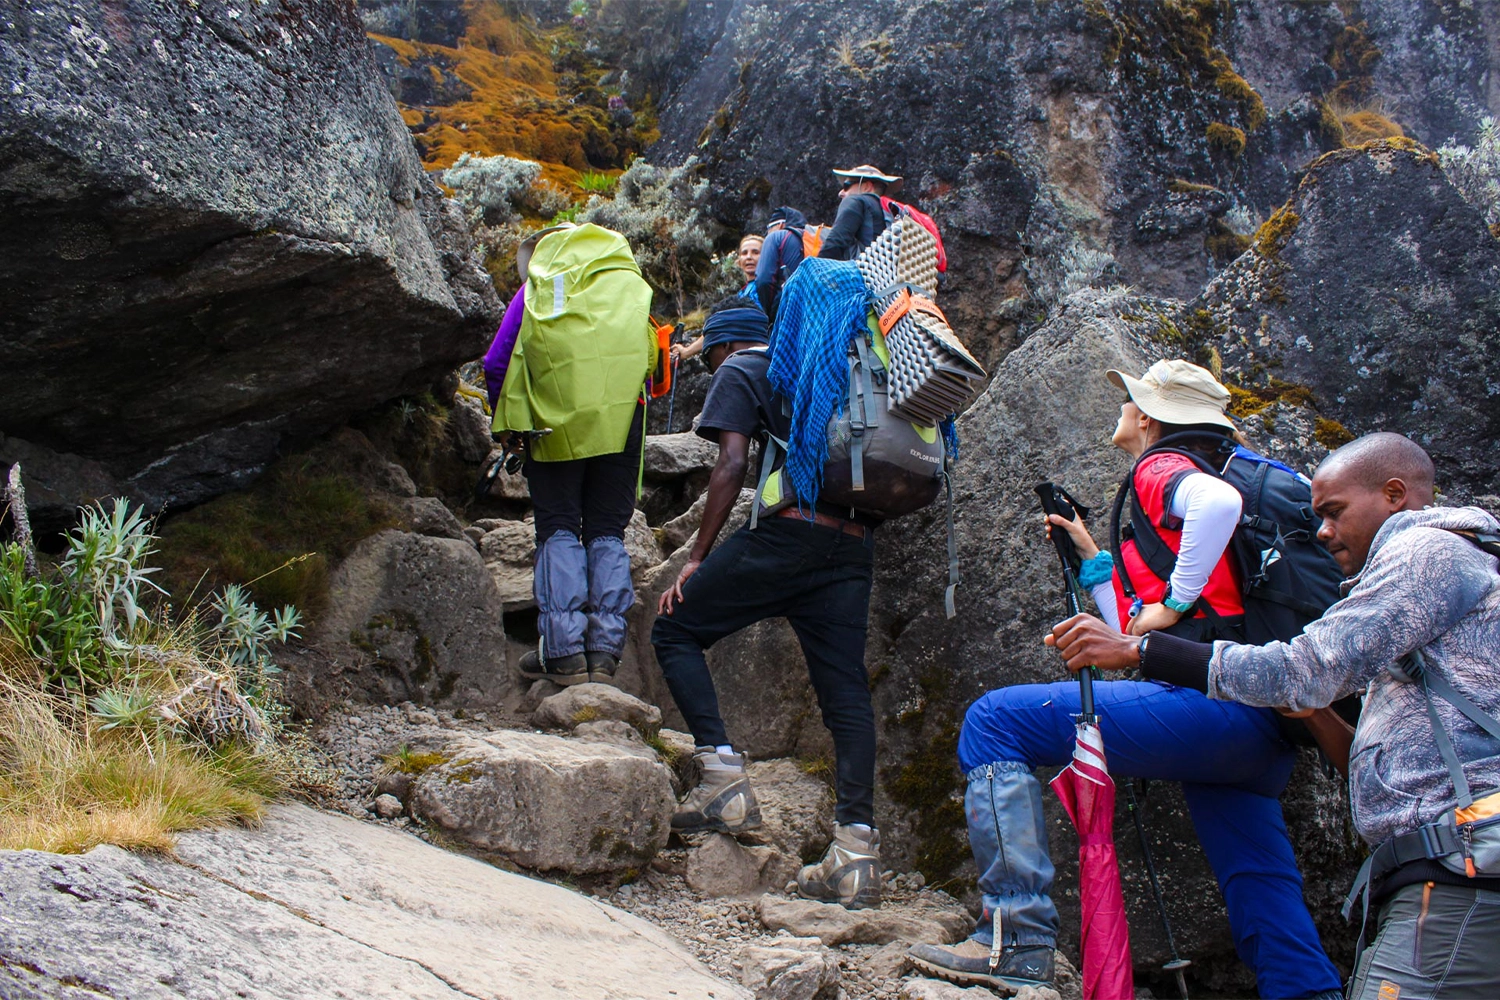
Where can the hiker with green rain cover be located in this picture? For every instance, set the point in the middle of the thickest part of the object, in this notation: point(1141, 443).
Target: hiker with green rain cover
point(573, 392)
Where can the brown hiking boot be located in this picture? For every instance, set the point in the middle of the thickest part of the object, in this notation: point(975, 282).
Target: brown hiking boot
point(849, 873)
point(562, 670)
point(722, 800)
point(602, 666)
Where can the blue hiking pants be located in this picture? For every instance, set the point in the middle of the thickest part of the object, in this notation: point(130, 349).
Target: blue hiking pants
point(1233, 765)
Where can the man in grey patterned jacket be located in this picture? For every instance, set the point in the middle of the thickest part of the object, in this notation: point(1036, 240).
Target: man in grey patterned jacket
point(1417, 587)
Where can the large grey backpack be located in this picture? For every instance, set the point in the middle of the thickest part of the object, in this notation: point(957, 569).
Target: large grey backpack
point(878, 463)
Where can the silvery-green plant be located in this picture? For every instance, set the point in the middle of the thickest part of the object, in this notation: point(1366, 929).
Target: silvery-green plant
point(106, 564)
point(245, 634)
point(1476, 171)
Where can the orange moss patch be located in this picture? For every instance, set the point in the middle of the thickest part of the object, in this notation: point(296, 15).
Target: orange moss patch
point(1272, 236)
point(1225, 137)
point(1247, 401)
point(517, 106)
point(1330, 433)
point(1366, 126)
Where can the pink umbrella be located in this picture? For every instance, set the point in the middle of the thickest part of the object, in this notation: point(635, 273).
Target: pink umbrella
point(1088, 794)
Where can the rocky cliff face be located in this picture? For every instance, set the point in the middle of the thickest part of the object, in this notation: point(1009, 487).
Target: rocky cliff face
point(1376, 288)
point(217, 235)
point(1160, 133)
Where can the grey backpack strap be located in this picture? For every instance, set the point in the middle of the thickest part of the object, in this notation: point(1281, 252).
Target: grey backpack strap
point(1360, 893)
point(767, 462)
point(949, 608)
point(1415, 667)
point(861, 411)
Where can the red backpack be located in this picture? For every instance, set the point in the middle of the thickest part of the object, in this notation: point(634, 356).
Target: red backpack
point(895, 209)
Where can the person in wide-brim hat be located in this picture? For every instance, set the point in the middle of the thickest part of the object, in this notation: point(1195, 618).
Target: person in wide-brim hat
point(1177, 392)
point(861, 216)
point(865, 172)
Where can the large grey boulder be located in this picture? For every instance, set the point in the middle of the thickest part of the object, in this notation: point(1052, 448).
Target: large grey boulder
point(1375, 291)
point(548, 802)
point(672, 456)
point(216, 235)
point(310, 906)
point(414, 618)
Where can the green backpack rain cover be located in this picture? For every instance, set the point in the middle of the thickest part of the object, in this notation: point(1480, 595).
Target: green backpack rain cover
point(585, 346)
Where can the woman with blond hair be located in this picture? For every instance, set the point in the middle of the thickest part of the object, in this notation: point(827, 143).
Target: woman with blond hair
point(746, 258)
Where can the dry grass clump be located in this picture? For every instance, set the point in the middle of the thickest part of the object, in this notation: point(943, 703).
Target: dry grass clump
point(1225, 137)
point(120, 723)
point(68, 784)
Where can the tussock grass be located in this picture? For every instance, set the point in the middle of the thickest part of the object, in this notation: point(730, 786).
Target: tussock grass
point(121, 723)
point(67, 786)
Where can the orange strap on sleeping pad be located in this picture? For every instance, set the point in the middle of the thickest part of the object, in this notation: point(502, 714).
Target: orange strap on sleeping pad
point(906, 302)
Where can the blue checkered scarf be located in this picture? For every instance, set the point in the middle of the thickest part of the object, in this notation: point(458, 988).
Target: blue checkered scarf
point(821, 307)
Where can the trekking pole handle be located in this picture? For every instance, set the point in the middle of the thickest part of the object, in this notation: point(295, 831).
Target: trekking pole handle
point(1055, 500)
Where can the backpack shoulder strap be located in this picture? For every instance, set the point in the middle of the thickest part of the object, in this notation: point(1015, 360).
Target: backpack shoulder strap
point(1414, 668)
point(1484, 541)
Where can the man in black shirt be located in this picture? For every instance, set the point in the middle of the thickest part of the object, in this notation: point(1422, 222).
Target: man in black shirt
point(815, 573)
point(861, 216)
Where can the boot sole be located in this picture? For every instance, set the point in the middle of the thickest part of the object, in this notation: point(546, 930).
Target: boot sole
point(719, 826)
point(865, 899)
point(563, 680)
point(600, 677)
point(1010, 987)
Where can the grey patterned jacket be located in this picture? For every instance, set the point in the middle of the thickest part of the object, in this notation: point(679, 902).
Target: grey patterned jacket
point(1421, 587)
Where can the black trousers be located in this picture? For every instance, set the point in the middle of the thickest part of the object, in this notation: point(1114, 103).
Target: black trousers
point(818, 579)
point(588, 497)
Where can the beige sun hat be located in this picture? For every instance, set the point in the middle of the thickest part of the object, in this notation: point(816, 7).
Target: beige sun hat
point(528, 245)
point(1177, 392)
point(866, 172)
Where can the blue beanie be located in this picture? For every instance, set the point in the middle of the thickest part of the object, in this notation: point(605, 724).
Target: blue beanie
point(728, 325)
point(789, 215)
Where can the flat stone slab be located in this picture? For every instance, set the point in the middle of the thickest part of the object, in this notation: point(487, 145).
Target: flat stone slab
point(314, 906)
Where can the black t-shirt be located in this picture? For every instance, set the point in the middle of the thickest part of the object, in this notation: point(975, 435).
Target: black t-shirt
point(740, 400)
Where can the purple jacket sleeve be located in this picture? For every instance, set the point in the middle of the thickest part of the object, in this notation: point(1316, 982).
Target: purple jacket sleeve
point(497, 358)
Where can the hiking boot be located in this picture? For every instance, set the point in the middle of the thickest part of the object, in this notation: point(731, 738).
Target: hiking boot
point(602, 666)
point(969, 963)
point(849, 873)
point(722, 800)
point(563, 670)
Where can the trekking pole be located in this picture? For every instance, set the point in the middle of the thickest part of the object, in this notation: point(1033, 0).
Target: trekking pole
point(1178, 963)
point(672, 396)
point(1055, 500)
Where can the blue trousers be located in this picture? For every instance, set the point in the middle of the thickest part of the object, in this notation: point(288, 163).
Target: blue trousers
point(1233, 765)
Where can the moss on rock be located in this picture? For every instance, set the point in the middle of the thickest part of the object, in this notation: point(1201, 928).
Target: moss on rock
point(1273, 235)
point(1225, 137)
